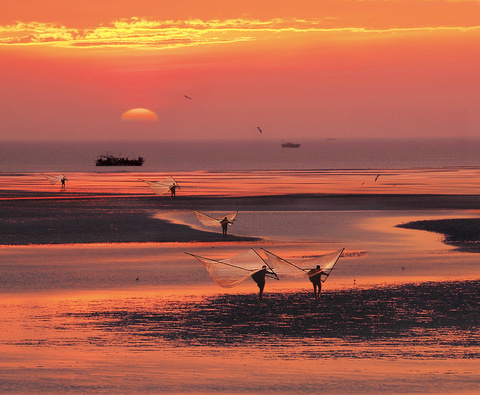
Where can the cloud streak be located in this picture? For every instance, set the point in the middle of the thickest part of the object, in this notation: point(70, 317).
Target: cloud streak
point(141, 33)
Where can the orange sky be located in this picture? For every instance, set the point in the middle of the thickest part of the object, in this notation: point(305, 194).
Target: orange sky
point(329, 68)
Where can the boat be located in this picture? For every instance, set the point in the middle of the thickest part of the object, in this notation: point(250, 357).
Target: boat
point(110, 160)
point(290, 145)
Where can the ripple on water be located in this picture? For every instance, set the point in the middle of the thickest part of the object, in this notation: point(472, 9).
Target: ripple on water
point(414, 320)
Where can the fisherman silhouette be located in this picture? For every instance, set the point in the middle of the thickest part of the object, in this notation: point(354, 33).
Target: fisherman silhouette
point(62, 180)
point(315, 276)
point(224, 222)
point(172, 190)
point(259, 278)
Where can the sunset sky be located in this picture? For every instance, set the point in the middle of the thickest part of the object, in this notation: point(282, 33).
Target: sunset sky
point(306, 68)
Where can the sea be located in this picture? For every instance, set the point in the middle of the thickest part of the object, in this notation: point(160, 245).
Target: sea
point(399, 314)
point(241, 155)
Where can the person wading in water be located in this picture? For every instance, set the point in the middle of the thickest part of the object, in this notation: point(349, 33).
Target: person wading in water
point(259, 278)
point(315, 276)
point(173, 188)
point(62, 180)
point(224, 222)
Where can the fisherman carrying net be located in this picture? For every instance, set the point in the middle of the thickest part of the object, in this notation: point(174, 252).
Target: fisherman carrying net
point(225, 222)
point(173, 187)
point(56, 179)
point(315, 276)
point(259, 278)
point(62, 180)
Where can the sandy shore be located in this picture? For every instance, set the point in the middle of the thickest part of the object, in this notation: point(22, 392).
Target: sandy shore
point(462, 233)
point(38, 218)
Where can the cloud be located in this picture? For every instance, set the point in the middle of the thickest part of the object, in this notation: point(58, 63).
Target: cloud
point(35, 32)
point(142, 33)
point(135, 33)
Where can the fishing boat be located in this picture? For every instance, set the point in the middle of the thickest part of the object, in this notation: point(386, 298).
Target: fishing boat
point(110, 160)
point(290, 145)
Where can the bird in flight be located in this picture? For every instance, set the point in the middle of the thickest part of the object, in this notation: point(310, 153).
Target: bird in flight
point(188, 97)
point(260, 130)
point(376, 178)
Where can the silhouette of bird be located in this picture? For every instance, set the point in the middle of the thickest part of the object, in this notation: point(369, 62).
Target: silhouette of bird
point(260, 130)
point(376, 178)
point(188, 97)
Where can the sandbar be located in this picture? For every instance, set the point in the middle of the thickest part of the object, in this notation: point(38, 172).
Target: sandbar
point(39, 219)
point(462, 233)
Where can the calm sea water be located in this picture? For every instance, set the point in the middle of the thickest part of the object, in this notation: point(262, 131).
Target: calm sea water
point(25, 157)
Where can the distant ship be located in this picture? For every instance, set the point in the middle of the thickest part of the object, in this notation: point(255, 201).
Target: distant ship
point(110, 160)
point(290, 145)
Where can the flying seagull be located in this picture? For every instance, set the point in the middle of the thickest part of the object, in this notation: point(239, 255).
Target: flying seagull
point(188, 97)
point(376, 178)
point(260, 130)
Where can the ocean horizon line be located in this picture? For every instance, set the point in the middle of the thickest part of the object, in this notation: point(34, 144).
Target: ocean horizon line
point(244, 139)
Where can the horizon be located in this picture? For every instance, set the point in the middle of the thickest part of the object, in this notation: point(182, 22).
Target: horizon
point(250, 139)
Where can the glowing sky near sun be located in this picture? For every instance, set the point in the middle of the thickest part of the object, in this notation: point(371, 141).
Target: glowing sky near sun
point(216, 69)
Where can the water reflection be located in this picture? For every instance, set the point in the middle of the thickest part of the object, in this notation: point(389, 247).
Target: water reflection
point(454, 180)
point(429, 320)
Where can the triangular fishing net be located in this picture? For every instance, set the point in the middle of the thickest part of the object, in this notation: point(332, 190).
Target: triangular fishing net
point(161, 187)
point(208, 220)
point(301, 267)
point(54, 179)
point(284, 268)
point(232, 271)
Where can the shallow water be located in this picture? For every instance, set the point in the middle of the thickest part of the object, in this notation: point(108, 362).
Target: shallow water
point(413, 320)
point(412, 338)
point(376, 252)
point(452, 180)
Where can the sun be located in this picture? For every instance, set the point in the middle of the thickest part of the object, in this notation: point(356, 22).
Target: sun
point(139, 114)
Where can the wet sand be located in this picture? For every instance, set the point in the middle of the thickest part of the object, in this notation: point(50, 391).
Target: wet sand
point(396, 339)
point(40, 219)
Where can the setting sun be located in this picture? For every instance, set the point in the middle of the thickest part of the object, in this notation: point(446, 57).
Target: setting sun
point(139, 114)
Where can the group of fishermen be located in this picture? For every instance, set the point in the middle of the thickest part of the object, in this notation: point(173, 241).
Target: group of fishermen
point(314, 275)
